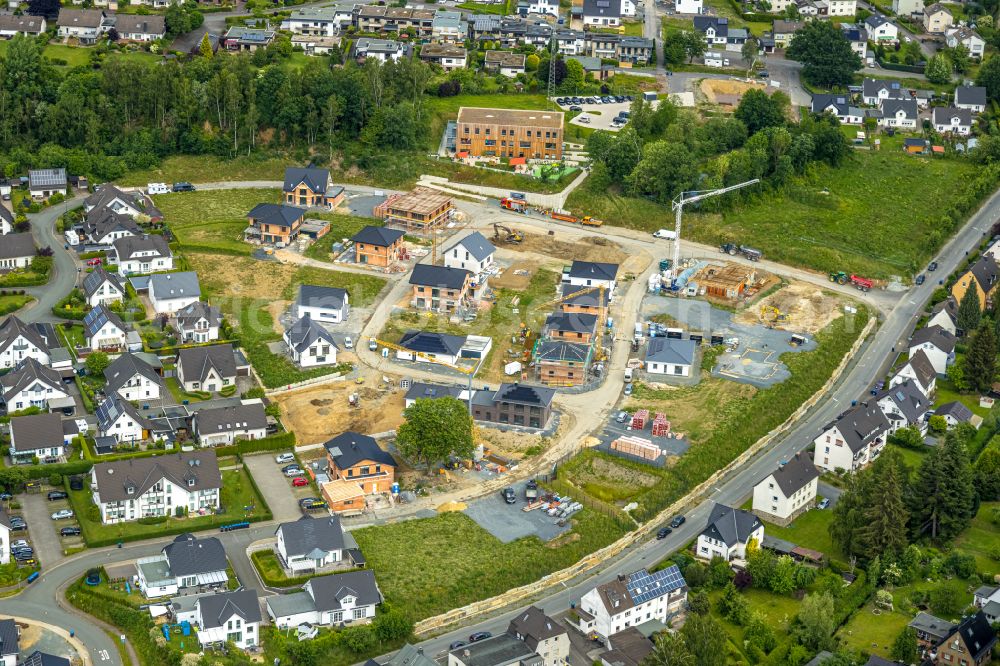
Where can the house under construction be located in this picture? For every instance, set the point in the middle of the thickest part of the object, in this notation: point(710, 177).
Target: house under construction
point(419, 211)
point(559, 363)
point(729, 281)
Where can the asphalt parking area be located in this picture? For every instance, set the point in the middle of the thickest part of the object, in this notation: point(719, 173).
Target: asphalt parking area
point(509, 522)
point(276, 489)
point(599, 115)
point(43, 531)
point(668, 445)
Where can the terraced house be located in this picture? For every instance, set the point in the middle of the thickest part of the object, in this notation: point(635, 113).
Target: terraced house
point(126, 490)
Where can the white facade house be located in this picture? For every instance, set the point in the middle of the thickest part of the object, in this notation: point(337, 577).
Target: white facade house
point(104, 330)
point(907, 7)
point(548, 638)
point(102, 288)
point(119, 419)
point(37, 436)
point(592, 274)
point(628, 8)
point(5, 558)
point(787, 492)
point(330, 305)
point(473, 253)
point(85, 25)
point(133, 379)
point(198, 322)
point(967, 37)
point(945, 315)
point(309, 544)
point(972, 98)
point(316, 21)
point(550, 7)
point(905, 406)
point(689, 6)
point(187, 564)
point(310, 344)
point(17, 251)
point(137, 255)
point(209, 368)
point(229, 617)
point(170, 292)
point(918, 369)
point(631, 600)
point(728, 533)
point(853, 441)
point(952, 121)
point(901, 113)
point(6, 217)
point(937, 344)
point(604, 13)
point(135, 488)
point(667, 356)
point(841, 7)
point(19, 341)
point(223, 426)
point(881, 31)
point(346, 598)
point(31, 384)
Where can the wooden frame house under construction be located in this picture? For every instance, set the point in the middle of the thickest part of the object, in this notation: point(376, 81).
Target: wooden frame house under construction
point(419, 211)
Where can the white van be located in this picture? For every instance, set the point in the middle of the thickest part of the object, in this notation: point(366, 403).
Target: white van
point(628, 374)
point(665, 234)
point(72, 238)
point(157, 188)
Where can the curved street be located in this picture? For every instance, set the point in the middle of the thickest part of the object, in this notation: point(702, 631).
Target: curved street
point(36, 601)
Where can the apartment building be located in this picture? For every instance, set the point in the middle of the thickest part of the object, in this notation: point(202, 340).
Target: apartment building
point(510, 133)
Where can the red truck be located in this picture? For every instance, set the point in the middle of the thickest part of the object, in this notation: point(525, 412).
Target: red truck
point(862, 283)
point(516, 205)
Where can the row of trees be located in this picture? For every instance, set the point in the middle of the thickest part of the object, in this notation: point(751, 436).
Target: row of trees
point(667, 150)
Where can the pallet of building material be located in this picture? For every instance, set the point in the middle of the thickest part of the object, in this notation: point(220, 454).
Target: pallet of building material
point(661, 426)
point(636, 446)
point(503, 461)
point(639, 419)
point(531, 506)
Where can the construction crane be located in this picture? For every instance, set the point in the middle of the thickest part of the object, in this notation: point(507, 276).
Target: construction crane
point(685, 198)
point(601, 313)
point(506, 234)
point(469, 372)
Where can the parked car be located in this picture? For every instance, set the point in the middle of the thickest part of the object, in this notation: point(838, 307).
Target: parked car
point(823, 503)
point(348, 343)
point(480, 636)
point(70, 531)
point(94, 577)
point(283, 458)
point(932, 267)
point(508, 495)
point(628, 389)
point(18, 524)
point(920, 279)
point(372, 344)
point(300, 482)
point(20, 543)
point(76, 483)
point(763, 74)
point(96, 261)
point(677, 521)
point(292, 470)
point(584, 119)
point(57, 495)
point(456, 644)
point(183, 187)
point(622, 417)
point(663, 533)
point(5, 497)
point(560, 100)
point(576, 108)
point(62, 514)
point(310, 503)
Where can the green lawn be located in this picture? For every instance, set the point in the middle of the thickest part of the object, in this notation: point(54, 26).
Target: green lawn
point(208, 169)
point(811, 530)
point(73, 55)
point(180, 395)
point(818, 224)
point(420, 569)
point(982, 539)
point(212, 219)
point(912, 458)
point(14, 302)
point(945, 392)
point(237, 493)
point(633, 28)
point(73, 335)
point(341, 227)
point(778, 611)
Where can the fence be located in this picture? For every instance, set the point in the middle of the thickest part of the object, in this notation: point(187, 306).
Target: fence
point(315, 381)
point(437, 623)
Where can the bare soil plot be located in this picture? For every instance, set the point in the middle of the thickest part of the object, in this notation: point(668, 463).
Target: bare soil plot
point(807, 308)
point(317, 414)
point(590, 248)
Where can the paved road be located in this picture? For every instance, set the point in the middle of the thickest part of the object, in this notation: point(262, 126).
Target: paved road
point(64, 274)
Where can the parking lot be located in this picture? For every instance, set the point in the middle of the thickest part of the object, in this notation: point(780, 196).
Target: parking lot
point(276, 489)
point(596, 114)
point(508, 522)
point(669, 446)
point(43, 532)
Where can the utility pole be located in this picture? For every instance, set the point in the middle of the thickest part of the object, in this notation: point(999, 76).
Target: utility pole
point(552, 66)
point(685, 198)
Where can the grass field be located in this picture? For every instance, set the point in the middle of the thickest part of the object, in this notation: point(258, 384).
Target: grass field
point(811, 530)
point(982, 539)
point(420, 570)
point(208, 169)
point(815, 223)
point(213, 219)
point(341, 226)
point(687, 406)
point(237, 493)
point(14, 302)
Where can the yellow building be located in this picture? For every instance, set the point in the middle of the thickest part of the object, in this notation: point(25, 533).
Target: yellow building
point(983, 277)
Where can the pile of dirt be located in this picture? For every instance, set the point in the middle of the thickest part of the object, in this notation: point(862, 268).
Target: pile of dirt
point(722, 91)
point(507, 443)
point(316, 414)
point(807, 308)
point(603, 470)
point(452, 507)
point(590, 248)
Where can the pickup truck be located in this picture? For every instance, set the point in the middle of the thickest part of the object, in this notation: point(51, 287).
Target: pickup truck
point(531, 490)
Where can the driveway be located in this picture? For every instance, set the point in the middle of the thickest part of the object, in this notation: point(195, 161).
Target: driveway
point(274, 486)
point(832, 493)
point(43, 531)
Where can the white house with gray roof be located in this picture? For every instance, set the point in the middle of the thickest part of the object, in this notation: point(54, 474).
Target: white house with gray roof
point(32, 384)
point(592, 274)
point(310, 544)
point(17, 251)
point(901, 113)
point(323, 304)
point(19, 341)
point(133, 379)
point(198, 322)
point(137, 255)
point(10, 637)
point(947, 120)
point(349, 597)
point(102, 288)
point(668, 356)
point(905, 406)
point(232, 617)
point(728, 532)
point(917, 369)
point(185, 565)
point(310, 344)
point(972, 98)
point(104, 330)
point(382, 50)
point(38, 435)
point(632, 599)
point(548, 638)
point(937, 343)
point(6, 217)
point(787, 492)
point(852, 441)
point(170, 292)
point(473, 253)
point(126, 490)
point(206, 368)
point(225, 425)
point(117, 418)
point(317, 21)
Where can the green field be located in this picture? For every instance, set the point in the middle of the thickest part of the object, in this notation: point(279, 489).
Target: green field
point(982, 539)
point(14, 302)
point(208, 169)
point(420, 570)
point(212, 219)
point(810, 530)
point(878, 214)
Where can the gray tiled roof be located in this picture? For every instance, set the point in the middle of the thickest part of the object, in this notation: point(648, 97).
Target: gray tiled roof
point(970, 95)
point(174, 285)
point(113, 478)
point(8, 638)
point(593, 270)
point(377, 236)
point(931, 625)
point(279, 215)
point(890, 107)
point(533, 626)
point(571, 322)
point(349, 448)
point(909, 399)
point(189, 556)
point(312, 177)
point(944, 115)
point(197, 361)
point(524, 394)
point(321, 297)
point(37, 431)
point(95, 320)
point(922, 367)
point(934, 335)
point(25, 374)
point(795, 474)
point(476, 245)
point(730, 526)
point(328, 591)
point(113, 408)
point(670, 350)
point(93, 281)
point(12, 328)
point(956, 410)
point(303, 332)
point(15, 246)
point(428, 342)
point(148, 24)
point(427, 275)
point(130, 245)
point(860, 425)
point(307, 534)
point(189, 315)
point(228, 419)
point(124, 368)
point(217, 608)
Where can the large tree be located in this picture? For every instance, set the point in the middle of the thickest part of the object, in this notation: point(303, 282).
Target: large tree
point(665, 170)
point(989, 77)
point(694, 45)
point(849, 513)
point(905, 648)
point(816, 621)
point(759, 110)
point(943, 496)
point(981, 359)
point(669, 649)
point(938, 69)
point(885, 517)
point(435, 429)
point(825, 53)
point(988, 475)
point(969, 310)
point(705, 639)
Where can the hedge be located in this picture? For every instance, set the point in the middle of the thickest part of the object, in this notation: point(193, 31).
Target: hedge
point(913, 69)
point(91, 455)
point(66, 469)
point(288, 581)
point(284, 440)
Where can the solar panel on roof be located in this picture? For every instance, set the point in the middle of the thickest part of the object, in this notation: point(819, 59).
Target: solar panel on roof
point(643, 586)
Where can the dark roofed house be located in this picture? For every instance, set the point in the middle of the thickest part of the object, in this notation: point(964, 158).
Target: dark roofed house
point(502, 650)
point(310, 344)
point(522, 405)
point(426, 345)
point(11, 24)
point(592, 274)
point(39, 658)
point(377, 246)
point(356, 457)
point(905, 405)
point(937, 344)
point(632, 600)
point(32, 384)
point(854, 440)
point(206, 368)
point(43, 183)
point(439, 288)
point(36, 436)
point(198, 322)
point(955, 413)
point(671, 357)
point(104, 330)
point(628, 647)
point(337, 600)
point(101, 287)
point(970, 642)
point(132, 378)
point(787, 492)
point(222, 426)
point(185, 565)
point(310, 187)
point(140, 27)
point(146, 253)
point(9, 642)
point(972, 98)
point(314, 544)
point(276, 224)
point(728, 532)
point(228, 617)
point(930, 630)
point(983, 277)
point(541, 633)
point(323, 304)
point(570, 326)
point(917, 369)
point(16, 251)
point(474, 253)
